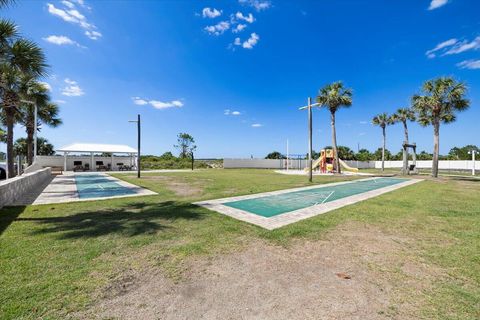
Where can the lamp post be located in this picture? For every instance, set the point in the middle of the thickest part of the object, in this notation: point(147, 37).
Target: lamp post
point(309, 107)
point(473, 152)
point(138, 144)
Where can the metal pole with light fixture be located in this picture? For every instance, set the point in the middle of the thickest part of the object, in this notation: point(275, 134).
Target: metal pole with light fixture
point(138, 143)
point(309, 107)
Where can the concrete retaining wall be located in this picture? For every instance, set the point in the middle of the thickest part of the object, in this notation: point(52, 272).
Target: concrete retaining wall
point(14, 189)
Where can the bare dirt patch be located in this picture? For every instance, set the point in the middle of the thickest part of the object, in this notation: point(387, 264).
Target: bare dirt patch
point(180, 188)
point(356, 272)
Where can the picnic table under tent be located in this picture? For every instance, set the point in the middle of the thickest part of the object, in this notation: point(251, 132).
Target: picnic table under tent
point(93, 148)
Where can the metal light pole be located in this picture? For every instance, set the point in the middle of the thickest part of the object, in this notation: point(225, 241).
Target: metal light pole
point(309, 107)
point(473, 152)
point(138, 143)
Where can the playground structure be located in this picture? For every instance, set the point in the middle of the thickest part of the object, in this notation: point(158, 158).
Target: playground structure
point(326, 160)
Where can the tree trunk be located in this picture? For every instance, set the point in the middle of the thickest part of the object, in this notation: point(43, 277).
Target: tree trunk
point(405, 128)
point(334, 143)
point(405, 156)
point(29, 145)
point(436, 147)
point(9, 118)
point(383, 149)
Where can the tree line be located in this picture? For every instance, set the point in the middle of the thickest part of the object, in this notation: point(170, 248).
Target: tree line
point(345, 153)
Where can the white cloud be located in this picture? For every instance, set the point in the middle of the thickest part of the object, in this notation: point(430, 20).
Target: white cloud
point(68, 4)
point(444, 44)
point(139, 101)
point(257, 4)
point(72, 15)
point(163, 105)
point(60, 40)
point(60, 101)
point(469, 64)
point(94, 35)
point(239, 28)
point(211, 13)
point(257, 125)
point(463, 46)
point(46, 85)
point(228, 112)
point(437, 4)
point(158, 104)
point(219, 28)
point(251, 42)
point(72, 89)
point(248, 18)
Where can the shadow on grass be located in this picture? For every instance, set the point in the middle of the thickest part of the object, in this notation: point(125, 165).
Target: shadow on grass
point(129, 220)
point(469, 179)
point(8, 215)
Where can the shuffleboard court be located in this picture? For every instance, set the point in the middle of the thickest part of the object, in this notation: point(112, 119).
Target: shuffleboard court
point(275, 209)
point(100, 186)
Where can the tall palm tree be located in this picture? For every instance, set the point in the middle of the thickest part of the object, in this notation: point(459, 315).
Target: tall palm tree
point(442, 98)
point(6, 3)
point(383, 120)
point(404, 115)
point(47, 112)
point(332, 97)
point(19, 58)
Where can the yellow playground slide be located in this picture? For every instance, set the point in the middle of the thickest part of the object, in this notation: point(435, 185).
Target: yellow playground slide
point(315, 164)
point(347, 167)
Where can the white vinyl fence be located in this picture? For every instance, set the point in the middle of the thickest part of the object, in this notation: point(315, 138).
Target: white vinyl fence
point(300, 164)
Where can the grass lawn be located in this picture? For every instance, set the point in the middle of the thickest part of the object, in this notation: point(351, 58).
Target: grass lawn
point(55, 258)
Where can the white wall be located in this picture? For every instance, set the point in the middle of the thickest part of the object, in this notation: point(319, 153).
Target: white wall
point(58, 161)
point(300, 164)
point(264, 163)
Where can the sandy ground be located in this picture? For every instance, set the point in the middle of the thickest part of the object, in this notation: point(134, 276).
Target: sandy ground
point(357, 272)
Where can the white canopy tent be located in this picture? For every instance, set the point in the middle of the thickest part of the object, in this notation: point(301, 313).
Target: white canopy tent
point(93, 148)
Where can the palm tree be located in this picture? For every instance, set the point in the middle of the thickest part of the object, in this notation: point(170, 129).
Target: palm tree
point(19, 58)
point(404, 115)
point(334, 96)
point(441, 99)
point(47, 112)
point(383, 120)
point(6, 3)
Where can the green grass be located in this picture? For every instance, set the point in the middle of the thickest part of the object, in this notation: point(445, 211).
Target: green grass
point(54, 259)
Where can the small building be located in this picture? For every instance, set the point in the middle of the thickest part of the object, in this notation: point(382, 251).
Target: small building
point(91, 157)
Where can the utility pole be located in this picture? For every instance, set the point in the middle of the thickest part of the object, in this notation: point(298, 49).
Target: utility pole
point(310, 127)
point(138, 143)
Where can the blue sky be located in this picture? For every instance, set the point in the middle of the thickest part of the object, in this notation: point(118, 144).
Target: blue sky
point(233, 73)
